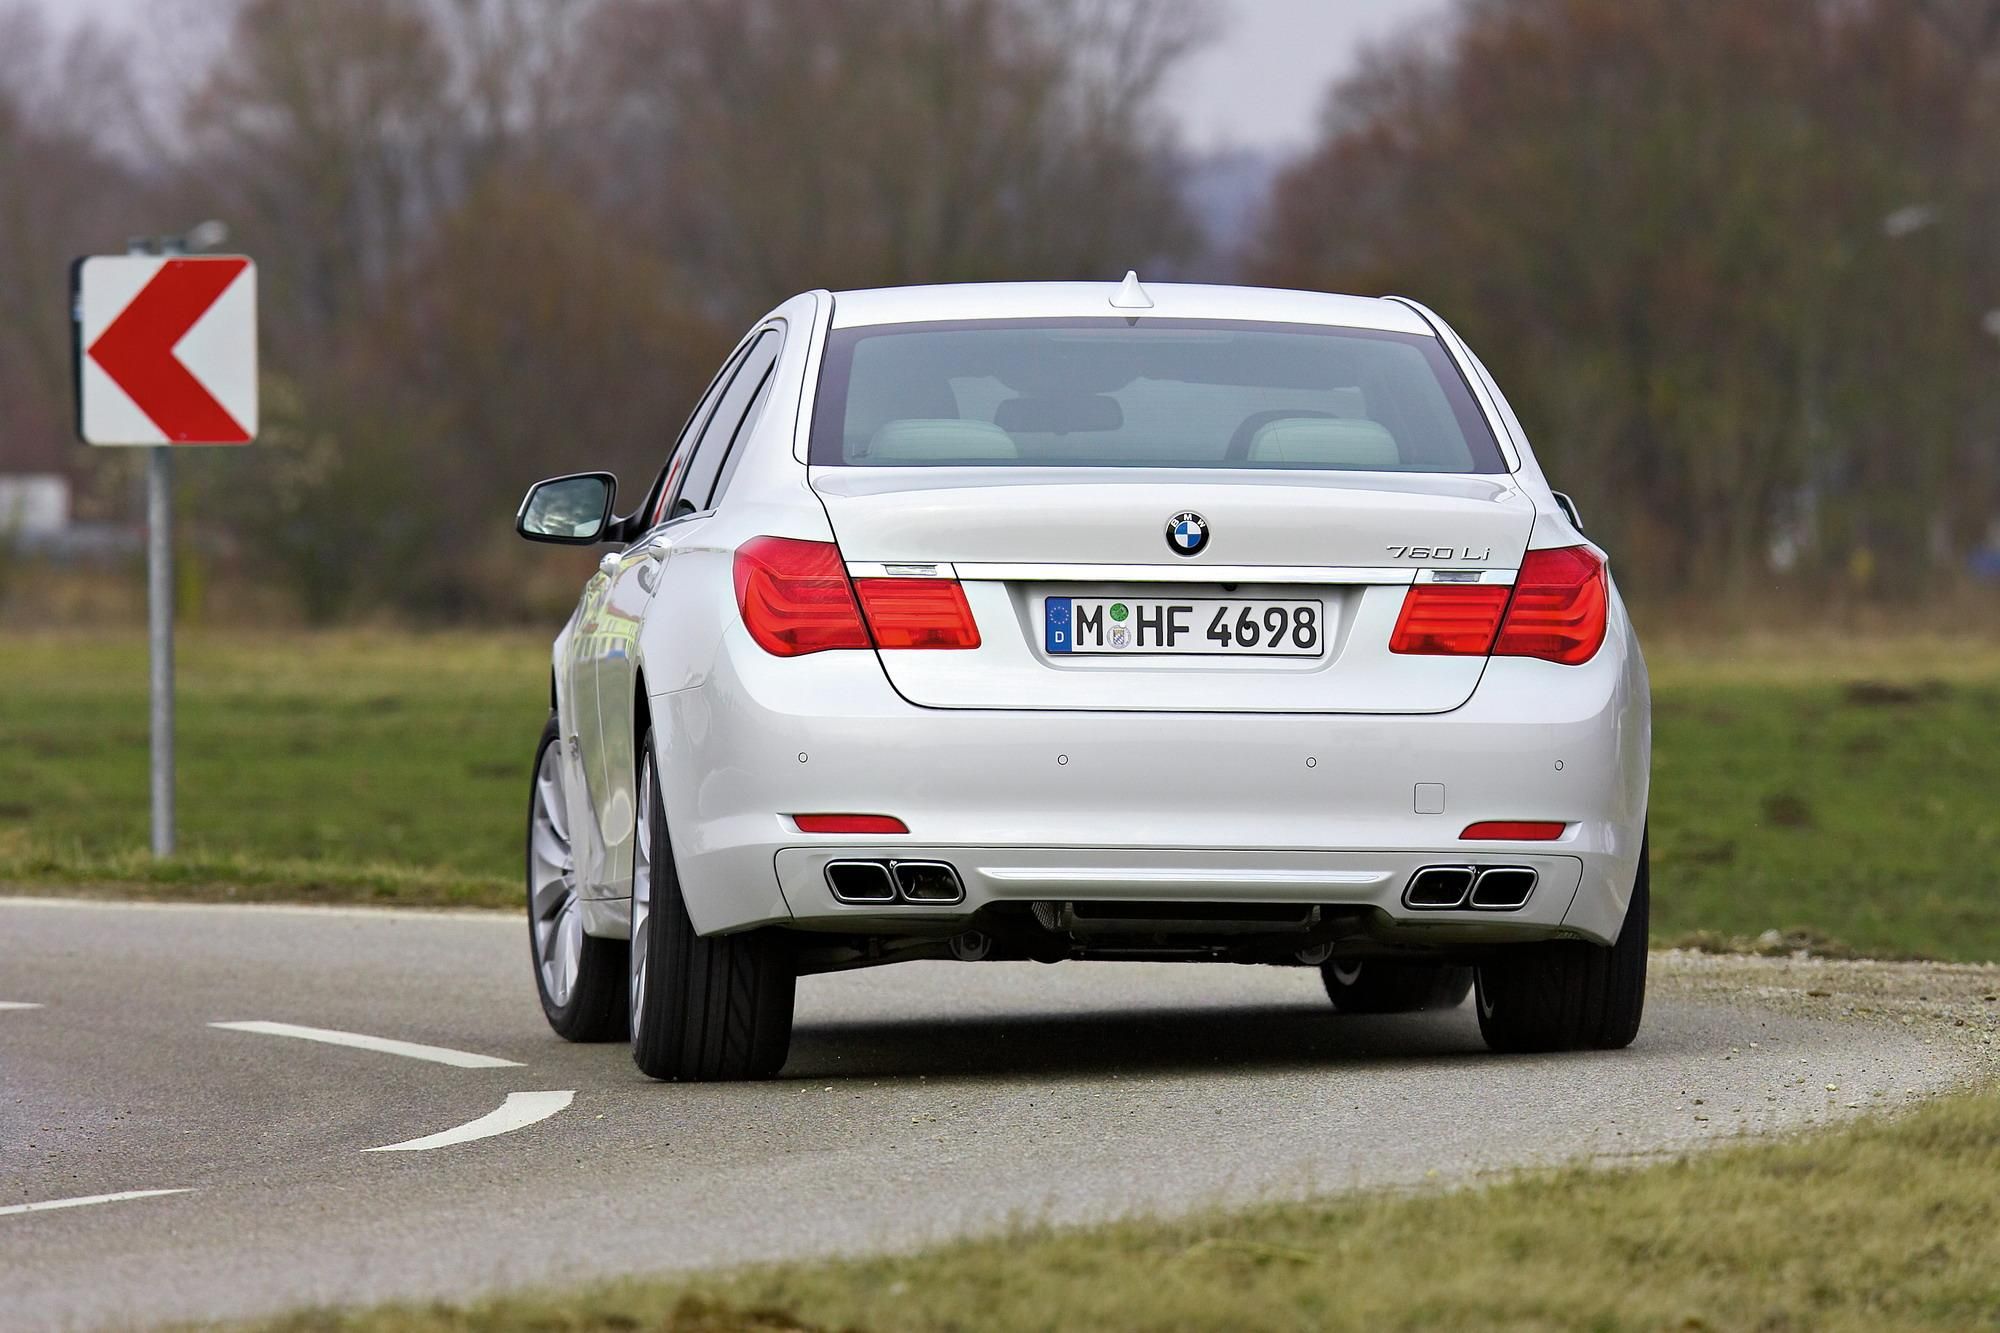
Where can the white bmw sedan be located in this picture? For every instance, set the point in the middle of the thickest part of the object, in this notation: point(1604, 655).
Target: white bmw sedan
point(1088, 621)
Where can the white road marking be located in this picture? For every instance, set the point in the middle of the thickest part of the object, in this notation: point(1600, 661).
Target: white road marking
point(86, 1200)
point(17, 1004)
point(442, 1055)
point(520, 1110)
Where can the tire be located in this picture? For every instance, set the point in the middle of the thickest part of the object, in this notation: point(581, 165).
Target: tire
point(1567, 995)
point(1390, 986)
point(703, 1008)
point(580, 978)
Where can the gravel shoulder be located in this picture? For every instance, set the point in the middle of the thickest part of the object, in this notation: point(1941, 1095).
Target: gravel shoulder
point(1954, 1005)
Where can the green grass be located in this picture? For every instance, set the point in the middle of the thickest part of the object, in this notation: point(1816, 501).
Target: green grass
point(1890, 1223)
point(1856, 804)
point(1839, 789)
point(340, 767)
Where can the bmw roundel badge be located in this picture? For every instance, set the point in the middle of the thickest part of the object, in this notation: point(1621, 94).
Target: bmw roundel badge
point(1187, 533)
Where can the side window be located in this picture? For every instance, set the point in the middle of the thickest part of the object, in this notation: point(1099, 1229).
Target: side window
point(663, 489)
point(696, 488)
point(735, 455)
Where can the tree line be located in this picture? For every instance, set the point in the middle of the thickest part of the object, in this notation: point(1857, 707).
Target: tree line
point(1735, 263)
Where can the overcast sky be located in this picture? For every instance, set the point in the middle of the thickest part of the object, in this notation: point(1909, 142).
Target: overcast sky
point(1259, 86)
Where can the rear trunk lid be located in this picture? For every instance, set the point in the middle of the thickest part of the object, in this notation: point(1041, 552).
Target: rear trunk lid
point(1337, 551)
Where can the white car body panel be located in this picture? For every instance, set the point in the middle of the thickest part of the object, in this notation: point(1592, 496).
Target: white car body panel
point(1281, 781)
point(1095, 520)
point(1070, 300)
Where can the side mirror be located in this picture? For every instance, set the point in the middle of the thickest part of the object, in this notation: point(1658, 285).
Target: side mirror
point(1569, 508)
point(570, 511)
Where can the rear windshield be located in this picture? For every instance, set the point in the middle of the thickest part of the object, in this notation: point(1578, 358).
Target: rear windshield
point(1145, 393)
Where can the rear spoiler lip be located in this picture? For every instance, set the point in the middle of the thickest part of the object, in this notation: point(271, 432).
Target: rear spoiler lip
point(1049, 572)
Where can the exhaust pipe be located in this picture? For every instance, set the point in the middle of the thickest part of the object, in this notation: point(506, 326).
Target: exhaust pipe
point(860, 882)
point(928, 882)
point(1439, 888)
point(1503, 888)
point(869, 882)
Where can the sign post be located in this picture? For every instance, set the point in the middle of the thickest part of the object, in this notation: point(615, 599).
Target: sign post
point(166, 355)
point(160, 640)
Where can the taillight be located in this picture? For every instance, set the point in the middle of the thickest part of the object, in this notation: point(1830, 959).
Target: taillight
point(1558, 610)
point(795, 597)
point(1449, 619)
point(917, 613)
point(1554, 611)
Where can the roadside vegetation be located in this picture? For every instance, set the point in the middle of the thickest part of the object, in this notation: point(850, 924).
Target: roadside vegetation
point(353, 767)
point(1887, 1223)
point(1838, 793)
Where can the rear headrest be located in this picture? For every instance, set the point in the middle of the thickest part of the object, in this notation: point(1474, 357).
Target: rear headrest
point(939, 440)
point(1060, 414)
point(1348, 402)
point(1330, 442)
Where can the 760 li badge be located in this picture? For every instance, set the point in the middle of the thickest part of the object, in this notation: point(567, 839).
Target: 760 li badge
point(1187, 533)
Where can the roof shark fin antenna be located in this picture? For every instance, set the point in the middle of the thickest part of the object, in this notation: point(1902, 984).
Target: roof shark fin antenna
point(1130, 295)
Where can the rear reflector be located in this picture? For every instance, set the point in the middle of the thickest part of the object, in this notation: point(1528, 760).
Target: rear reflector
point(850, 824)
point(1449, 619)
point(1515, 830)
point(917, 613)
point(1558, 610)
point(795, 597)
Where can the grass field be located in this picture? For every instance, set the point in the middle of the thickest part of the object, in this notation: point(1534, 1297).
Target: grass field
point(1844, 790)
point(1888, 1224)
point(356, 767)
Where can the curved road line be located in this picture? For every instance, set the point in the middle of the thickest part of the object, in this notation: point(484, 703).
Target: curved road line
point(520, 1110)
point(83, 1201)
point(442, 1055)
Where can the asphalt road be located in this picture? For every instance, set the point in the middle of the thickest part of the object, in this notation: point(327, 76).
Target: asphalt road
point(921, 1102)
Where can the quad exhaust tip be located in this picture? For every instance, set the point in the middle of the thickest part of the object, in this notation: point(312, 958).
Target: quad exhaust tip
point(861, 881)
point(1480, 888)
point(925, 883)
point(1439, 888)
point(1502, 888)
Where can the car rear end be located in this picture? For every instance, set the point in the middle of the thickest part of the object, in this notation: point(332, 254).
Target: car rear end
point(1232, 627)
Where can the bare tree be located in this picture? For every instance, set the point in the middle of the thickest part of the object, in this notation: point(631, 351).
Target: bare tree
point(62, 194)
point(1666, 224)
point(783, 146)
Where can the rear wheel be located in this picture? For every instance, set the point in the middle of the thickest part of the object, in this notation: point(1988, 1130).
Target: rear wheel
point(702, 1008)
point(1391, 986)
point(579, 977)
point(1567, 995)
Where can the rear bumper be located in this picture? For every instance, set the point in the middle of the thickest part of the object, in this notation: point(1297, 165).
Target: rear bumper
point(1332, 809)
point(1060, 875)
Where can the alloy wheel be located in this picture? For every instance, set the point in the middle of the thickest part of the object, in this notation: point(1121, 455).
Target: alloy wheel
point(552, 895)
point(642, 885)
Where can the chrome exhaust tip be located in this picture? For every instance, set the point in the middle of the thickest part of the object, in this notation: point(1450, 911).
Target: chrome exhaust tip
point(928, 882)
point(1438, 888)
point(860, 882)
point(1503, 888)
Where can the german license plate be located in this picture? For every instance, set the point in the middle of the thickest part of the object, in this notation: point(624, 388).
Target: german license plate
point(1194, 626)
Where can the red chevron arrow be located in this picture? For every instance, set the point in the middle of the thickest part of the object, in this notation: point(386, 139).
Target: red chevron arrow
point(137, 351)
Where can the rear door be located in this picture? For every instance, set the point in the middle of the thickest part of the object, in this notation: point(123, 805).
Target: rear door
point(695, 480)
